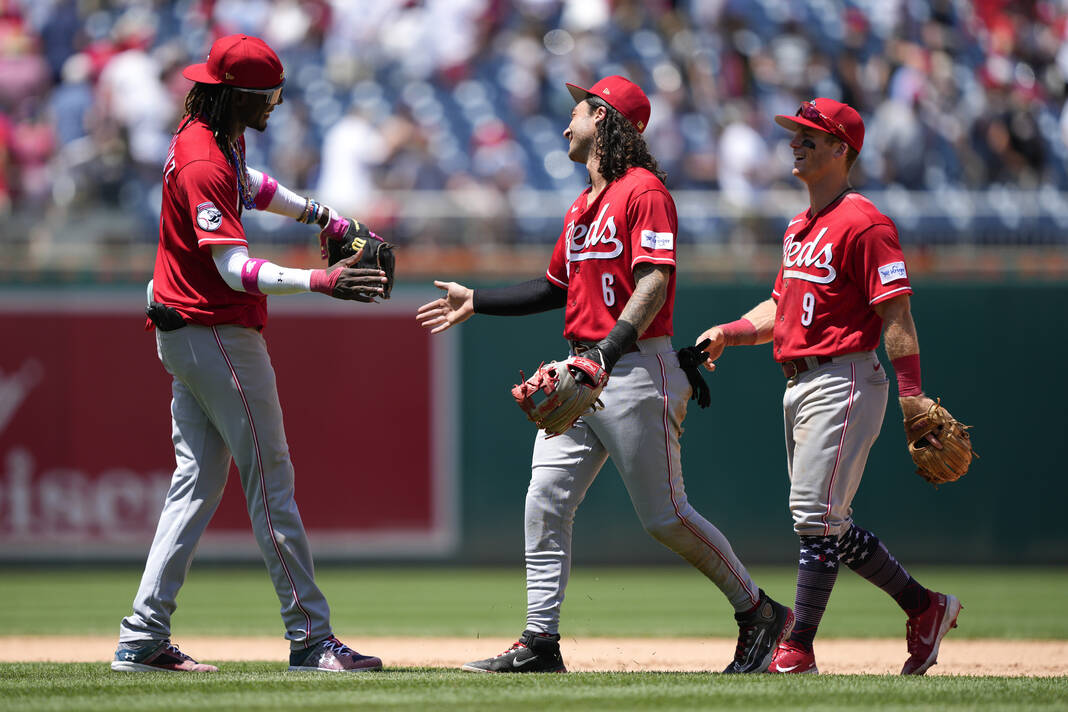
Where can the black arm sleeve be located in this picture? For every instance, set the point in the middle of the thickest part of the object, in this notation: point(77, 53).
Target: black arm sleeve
point(531, 297)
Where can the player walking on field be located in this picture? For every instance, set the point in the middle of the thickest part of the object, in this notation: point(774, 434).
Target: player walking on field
point(842, 284)
point(208, 305)
point(613, 271)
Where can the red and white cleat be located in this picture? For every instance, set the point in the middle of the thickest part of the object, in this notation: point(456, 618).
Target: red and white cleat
point(925, 631)
point(792, 659)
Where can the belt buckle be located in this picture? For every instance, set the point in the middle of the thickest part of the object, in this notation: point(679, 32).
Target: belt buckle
point(792, 364)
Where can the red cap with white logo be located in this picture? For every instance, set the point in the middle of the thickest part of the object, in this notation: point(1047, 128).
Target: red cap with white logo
point(239, 61)
point(621, 94)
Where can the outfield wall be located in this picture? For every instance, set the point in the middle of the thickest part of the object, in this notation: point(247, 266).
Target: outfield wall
point(435, 462)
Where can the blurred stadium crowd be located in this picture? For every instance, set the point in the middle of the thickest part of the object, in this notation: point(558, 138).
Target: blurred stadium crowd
point(466, 98)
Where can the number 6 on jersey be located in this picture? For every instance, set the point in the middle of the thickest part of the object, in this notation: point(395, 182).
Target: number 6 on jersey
point(607, 280)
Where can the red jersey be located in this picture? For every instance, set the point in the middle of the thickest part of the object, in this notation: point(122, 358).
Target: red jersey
point(201, 208)
point(633, 220)
point(835, 266)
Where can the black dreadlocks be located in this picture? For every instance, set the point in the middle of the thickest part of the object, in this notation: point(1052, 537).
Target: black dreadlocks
point(212, 104)
point(620, 146)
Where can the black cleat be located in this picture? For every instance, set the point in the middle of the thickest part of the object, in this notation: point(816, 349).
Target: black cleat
point(759, 633)
point(533, 652)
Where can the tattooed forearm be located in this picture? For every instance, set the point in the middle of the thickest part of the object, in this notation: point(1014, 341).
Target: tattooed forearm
point(650, 293)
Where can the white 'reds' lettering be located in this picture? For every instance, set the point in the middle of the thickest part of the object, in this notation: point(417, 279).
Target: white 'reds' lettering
point(796, 254)
point(582, 239)
point(607, 280)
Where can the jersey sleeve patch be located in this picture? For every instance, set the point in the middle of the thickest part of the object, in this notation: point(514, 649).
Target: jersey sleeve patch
point(653, 240)
point(892, 272)
point(209, 217)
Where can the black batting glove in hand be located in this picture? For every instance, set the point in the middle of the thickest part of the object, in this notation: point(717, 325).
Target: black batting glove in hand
point(690, 358)
point(608, 350)
point(603, 356)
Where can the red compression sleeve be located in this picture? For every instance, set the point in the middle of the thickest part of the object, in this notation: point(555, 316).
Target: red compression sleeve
point(740, 332)
point(907, 369)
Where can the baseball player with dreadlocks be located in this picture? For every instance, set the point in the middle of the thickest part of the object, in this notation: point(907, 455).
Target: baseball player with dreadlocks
point(208, 306)
point(613, 271)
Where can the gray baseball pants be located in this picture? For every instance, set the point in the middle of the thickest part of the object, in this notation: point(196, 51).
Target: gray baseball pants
point(832, 416)
point(225, 405)
point(645, 403)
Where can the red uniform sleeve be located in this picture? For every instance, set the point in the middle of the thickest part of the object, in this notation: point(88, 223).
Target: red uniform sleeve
point(211, 198)
point(878, 265)
point(654, 227)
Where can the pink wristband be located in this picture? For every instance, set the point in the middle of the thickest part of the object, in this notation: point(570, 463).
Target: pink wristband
point(336, 228)
point(266, 192)
point(907, 369)
point(250, 275)
point(323, 281)
point(740, 332)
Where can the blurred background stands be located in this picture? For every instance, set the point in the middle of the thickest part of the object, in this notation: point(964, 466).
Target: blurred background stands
point(439, 122)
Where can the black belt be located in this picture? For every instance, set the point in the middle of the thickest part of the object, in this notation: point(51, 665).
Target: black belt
point(797, 366)
point(580, 346)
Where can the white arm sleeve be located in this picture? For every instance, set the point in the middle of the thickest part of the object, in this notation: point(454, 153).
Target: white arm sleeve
point(272, 279)
point(283, 202)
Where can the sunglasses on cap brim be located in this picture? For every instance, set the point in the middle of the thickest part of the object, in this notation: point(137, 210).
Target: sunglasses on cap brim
point(274, 94)
point(808, 110)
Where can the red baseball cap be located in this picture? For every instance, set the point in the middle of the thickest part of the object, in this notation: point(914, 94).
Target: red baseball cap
point(839, 120)
point(621, 94)
point(239, 61)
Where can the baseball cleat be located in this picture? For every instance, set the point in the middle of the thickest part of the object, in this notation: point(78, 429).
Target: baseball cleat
point(758, 634)
point(533, 652)
point(331, 655)
point(925, 631)
point(793, 659)
point(153, 656)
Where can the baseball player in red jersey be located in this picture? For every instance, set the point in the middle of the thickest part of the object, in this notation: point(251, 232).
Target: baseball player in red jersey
point(613, 270)
point(208, 304)
point(842, 284)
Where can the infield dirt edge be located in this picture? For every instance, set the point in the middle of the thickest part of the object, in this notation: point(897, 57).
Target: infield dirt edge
point(1014, 658)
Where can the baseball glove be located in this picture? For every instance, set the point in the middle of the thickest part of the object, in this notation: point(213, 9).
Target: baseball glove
point(561, 392)
point(935, 465)
point(377, 253)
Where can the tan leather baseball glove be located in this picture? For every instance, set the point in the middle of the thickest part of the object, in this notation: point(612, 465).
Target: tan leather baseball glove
point(947, 463)
point(561, 392)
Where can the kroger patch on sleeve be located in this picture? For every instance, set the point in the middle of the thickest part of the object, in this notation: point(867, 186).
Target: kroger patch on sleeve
point(891, 272)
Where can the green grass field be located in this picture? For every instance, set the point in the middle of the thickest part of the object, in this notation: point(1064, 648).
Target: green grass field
point(669, 601)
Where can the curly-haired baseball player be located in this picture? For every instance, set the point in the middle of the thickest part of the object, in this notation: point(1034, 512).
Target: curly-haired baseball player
point(842, 284)
point(613, 271)
point(208, 306)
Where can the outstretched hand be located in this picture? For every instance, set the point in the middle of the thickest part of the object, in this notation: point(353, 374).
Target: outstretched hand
point(455, 307)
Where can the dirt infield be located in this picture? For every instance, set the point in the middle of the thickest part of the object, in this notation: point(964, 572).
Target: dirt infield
point(1017, 658)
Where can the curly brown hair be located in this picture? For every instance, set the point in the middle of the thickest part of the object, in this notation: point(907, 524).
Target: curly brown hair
point(619, 146)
